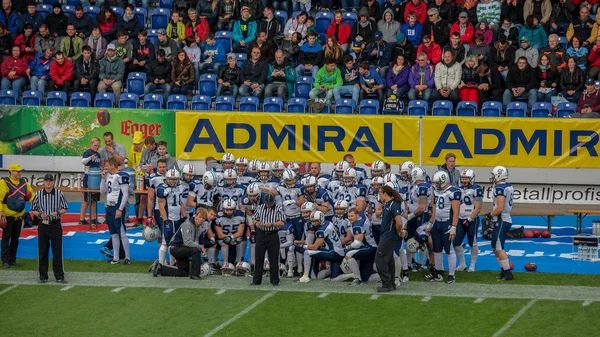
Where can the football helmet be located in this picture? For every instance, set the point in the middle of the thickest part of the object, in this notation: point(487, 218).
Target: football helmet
point(282, 269)
point(440, 180)
point(467, 177)
point(310, 184)
point(230, 178)
point(228, 269)
point(390, 178)
point(376, 184)
point(345, 267)
point(377, 169)
point(266, 268)
point(151, 233)
point(413, 246)
point(205, 270)
point(340, 168)
point(289, 178)
point(209, 179)
point(405, 169)
point(340, 208)
point(349, 177)
point(277, 169)
point(317, 218)
point(242, 269)
point(307, 209)
point(228, 161)
point(417, 174)
point(253, 166)
point(172, 178)
point(188, 169)
point(241, 165)
point(253, 190)
point(499, 173)
point(294, 167)
point(229, 206)
point(393, 185)
point(264, 172)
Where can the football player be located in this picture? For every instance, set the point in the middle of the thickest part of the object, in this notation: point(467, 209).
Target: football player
point(230, 189)
point(377, 170)
point(228, 161)
point(391, 178)
point(294, 167)
point(244, 177)
point(315, 171)
point(340, 220)
point(202, 192)
point(362, 249)
point(188, 185)
point(291, 199)
point(318, 196)
point(361, 174)
point(500, 215)
point(335, 183)
point(286, 246)
point(355, 195)
point(171, 207)
point(250, 202)
point(404, 173)
point(264, 174)
point(253, 167)
point(230, 230)
point(443, 227)
point(375, 207)
point(277, 170)
point(416, 209)
point(471, 203)
point(154, 180)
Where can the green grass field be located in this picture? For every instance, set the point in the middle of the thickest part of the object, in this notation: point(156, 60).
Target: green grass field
point(104, 300)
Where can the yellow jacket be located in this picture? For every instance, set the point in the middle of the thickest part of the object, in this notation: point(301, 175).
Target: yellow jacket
point(4, 190)
point(180, 31)
point(135, 159)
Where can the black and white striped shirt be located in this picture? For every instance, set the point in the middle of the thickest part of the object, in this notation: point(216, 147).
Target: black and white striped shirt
point(48, 203)
point(271, 215)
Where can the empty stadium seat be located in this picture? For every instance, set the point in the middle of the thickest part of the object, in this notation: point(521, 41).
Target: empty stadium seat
point(369, 107)
point(105, 100)
point(43, 9)
point(73, 2)
point(322, 21)
point(241, 57)
point(153, 36)
point(176, 102)
point(224, 103)
point(56, 98)
point(92, 11)
point(303, 86)
point(33, 98)
point(283, 17)
point(9, 97)
point(119, 11)
point(166, 3)
point(565, 109)
point(201, 102)
point(491, 109)
point(249, 104)
point(296, 104)
point(129, 100)
point(160, 18)
point(136, 82)
point(541, 110)
point(226, 39)
point(207, 85)
point(81, 99)
point(345, 106)
point(142, 14)
point(417, 108)
point(516, 109)
point(466, 109)
point(153, 101)
point(273, 104)
point(350, 17)
point(442, 108)
point(68, 10)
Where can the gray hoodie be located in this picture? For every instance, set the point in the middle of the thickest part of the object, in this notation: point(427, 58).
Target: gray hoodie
point(389, 29)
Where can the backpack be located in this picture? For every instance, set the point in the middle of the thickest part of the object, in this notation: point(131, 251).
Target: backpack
point(487, 228)
point(393, 104)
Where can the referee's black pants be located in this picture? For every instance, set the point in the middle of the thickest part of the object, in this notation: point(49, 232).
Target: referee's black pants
point(50, 236)
point(266, 242)
point(182, 256)
point(10, 239)
point(384, 260)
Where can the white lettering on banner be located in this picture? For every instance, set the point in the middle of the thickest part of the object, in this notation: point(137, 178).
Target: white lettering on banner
point(550, 194)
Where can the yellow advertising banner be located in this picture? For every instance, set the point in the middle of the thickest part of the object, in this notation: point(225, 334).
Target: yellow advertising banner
point(296, 137)
point(512, 142)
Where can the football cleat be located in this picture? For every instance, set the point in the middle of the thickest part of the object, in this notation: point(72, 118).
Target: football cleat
point(471, 270)
point(405, 275)
point(451, 279)
point(356, 282)
point(127, 262)
point(508, 276)
point(157, 270)
point(461, 267)
point(500, 276)
point(115, 262)
point(107, 252)
point(434, 277)
point(304, 279)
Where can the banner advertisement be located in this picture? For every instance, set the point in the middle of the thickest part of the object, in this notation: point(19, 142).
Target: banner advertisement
point(62, 131)
point(298, 138)
point(512, 142)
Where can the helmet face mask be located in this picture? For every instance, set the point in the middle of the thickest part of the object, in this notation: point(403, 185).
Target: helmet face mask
point(405, 170)
point(440, 180)
point(377, 169)
point(264, 176)
point(209, 180)
point(349, 177)
point(172, 178)
point(187, 178)
point(307, 209)
point(241, 169)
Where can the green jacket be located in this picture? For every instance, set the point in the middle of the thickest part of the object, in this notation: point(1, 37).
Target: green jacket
point(331, 80)
point(180, 31)
point(65, 45)
point(113, 70)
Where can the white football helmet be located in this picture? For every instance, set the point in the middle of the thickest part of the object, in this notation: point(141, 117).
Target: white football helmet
point(266, 268)
point(340, 208)
point(242, 269)
point(277, 169)
point(151, 233)
point(405, 169)
point(228, 269)
point(310, 181)
point(499, 173)
point(241, 165)
point(172, 178)
point(282, 269)
point(264, 172)
point(294, 167)
point(390, 178)
point(253, 190)
point(188, 169)
point(377, 169)
point(253, 166)
point(394, 185)
point(229, 206)
point(340, 168)
point(417, 174)
point(345, 267)
point(307, 209)
point(230, 178)
point(228, 161)
point(289, 178)
point(349, 177)
point(376, 184)
point(413, 246)
point(467, 177)
point(440, 180)
point(317, 218)
point(205, 270)
point(209, 179)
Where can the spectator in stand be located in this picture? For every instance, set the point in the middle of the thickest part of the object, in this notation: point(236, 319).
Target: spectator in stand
point(328, 78)
point(112, 70)
point(158, 74)
point(448, 75)
point(14, 71)
point(108, 22)
point(265, 45)
point(209, 9)
point(371, 83)
point(404, 48)
point(467, 89)
point(300, 5)
point(577, 51)
point(555, 52)
point(464, 28)
point(214, 55)
point(417, 6)
point(470, 7)
point(594, 59)
point(488, 86)
point(56, 21)
point(143, 52)
point(502, 57)
point(395, 5)
point(71, 44)
point(527, 51)
point(32, 17)
point(254, 74)
point(488, 34)
point(10, 18)
point(182, 74)
point(124, 48)
point(547, 77)
point(43, 40)
point(436, 27)
point(270, 24)
point(341, 30)
point(421, 79)
point(541, 9)
point(457, 48)
point(90, 159)
point(255, 8)
point(363, 29)
point(167, 44)
point(561, 16)
point(61, 74)
point(379, 54)
point(520, 83)
point(396, 79)
point(26, 41)
point(374, 10)
point(534, 32)
point(489, 10)
point(584, 27)
point(227, 9)
point(291, 47)
point(310, 27)
point(589, 102)
point(196, 27)
point(311, 56)
point(244, 31)
point(176, 29)
point(333, 51)
point(389, 27)
point(82, 22)
point(412, 30)
point(130, 23)
point(39, 70)
point(350, 78)
point(86, 72)
point(229, 77)
point(509, 31)
point(445, 10)
point(97, 43)
point(297, 24)
point(431, 49)
point(194, 54)
point(572, 81)
point(480, 49)
point(281, 77)
point(513, 9)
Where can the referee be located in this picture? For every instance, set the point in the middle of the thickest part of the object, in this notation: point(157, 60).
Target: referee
point(49, 205)
point(391, 225)
point(267, 218)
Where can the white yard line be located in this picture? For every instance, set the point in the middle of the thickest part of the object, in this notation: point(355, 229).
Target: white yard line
point(374, 297)
point(323, 295)
point(4, 291)
point(221, 292)
point(514, 318)
point(66, 288)
point(479, 300)
point(240, 314)
point(586, 303)
point(168, 291)
point(116, 290)
point(426, 299)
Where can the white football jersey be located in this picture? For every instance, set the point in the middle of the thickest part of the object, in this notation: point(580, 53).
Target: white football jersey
point(468, 198)
point(154, 180)
point(229, 225)
point(114, 195)
point(173, 200)
point(291, 211)
point(506, 190)
point(201, 194)
point(443, 202)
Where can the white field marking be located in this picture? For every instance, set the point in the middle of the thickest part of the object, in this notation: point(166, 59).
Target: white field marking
point(28, 237)
point(374, 297)
point(4, 291)
point(66, 288)
point(70, 234)
point(426, 299)
point(168, 291)
point(221, 292)
point(513, 319)
point(323, 295)
point(479, 300)
point(586, 303)
point(240, 314)
point(116, 290)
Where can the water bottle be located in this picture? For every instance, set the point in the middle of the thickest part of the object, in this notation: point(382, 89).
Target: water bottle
point(140, 182)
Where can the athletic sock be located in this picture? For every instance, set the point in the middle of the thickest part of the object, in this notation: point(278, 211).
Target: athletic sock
point(125, 242)
point(252, 258)
point(291, 260)
point(225, 254)
point(353, 264)
point(397, 266)
point(116, 246)
point(299, 259)
point(474, 255)
point(451, 261)
point(505, 264)
point(439, 261)
point(306, 263)
point(403, 259)
point(423, 255)
point(211, 254)
point(499, 262)
point(410, 257)
point(460, 252)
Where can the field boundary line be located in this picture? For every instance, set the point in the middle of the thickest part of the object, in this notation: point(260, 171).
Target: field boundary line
point(513, 319)
point(240, 314)
point(4, 291)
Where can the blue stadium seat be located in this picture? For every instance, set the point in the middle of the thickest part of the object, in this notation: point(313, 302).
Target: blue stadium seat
point(296, 104)
point(207, 85)
point(226, 39)
point(563, 42)
point(350, 17)
point(417, 108)
point(142, 14)
point(92, 11)
point(166, 3)
point(283, 17)
point(43, 9)
point(160, 18)
point(105, 100)
point(541, 110)
point(565, 109)
point(303, 86)
point(345, 106)
point(295, 15)
point(516, 109)
point(153, 36)
point(56, 98)
point(136, 83)
point(153, 101)
point(369, 107)
point(33, 98)
point(273, 104)
point(466, 109)
point(68, 10)
point(241, 58)
point(129, 101)
point(322, 21)
point(200, 102)
point(249, 104)
point(119, 11)
point(49, 2)
point(176, 102)
point(73, 2)
point(442, 108)
point(81, 99)
point(491, 109)
point(9, 97)
point(224, 103)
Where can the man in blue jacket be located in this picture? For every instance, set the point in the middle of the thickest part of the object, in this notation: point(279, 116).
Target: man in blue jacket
point(10, 18)
point(379, 54)
point(39, 70)
point(31, 17)
point(370, 82)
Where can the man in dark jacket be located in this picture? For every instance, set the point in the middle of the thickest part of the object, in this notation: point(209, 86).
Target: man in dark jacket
point(10, 18)
point(82, 22)
point(445, 9)
point(86, 72)
point(310, 57)
point(379, 54)
point(363, 29)
point(501, 57)
point(229, 77)
point(158, 74)
point(270, 24)
point(555, 52)
point(57, 21)
point(32, 18)
point(404, 48)
point(254, 75)
point(436, 27)
point(562, 16)
point(589, 101)
point(143, 52)
point(457, 48)
point(520, 83)
point(265, 45)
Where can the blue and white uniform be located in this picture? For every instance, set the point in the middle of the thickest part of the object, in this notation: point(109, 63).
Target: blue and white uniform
point(322, 180)
point(365, 255)
point(286, 238)
point(373, 202)
point(443, 218)
point(202, 195)
point(343, 226)
point(320, 196)
point(117, 193)
point(423, 189)
point(351, 194)
point(504, 220)
point(173, 200)
point(229, 225)
point(331, 249)
point(292, 211)
point(361, 174)
point(469, 196)
point(247, 179)
point(333, 188)
point(234, 193)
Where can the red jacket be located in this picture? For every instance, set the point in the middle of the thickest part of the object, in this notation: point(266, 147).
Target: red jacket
point(467, 37)
point(434, 52)
point(201, 29)
point(593, 101)
point(20, 41)
point(420, 10)
point(19, 65)
point(594, 58)
point(61, 73)
point(343, 31)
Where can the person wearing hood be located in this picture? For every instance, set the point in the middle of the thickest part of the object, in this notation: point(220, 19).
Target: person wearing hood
point(379, 54)
point(480, 49)
point(412, 29)
point(501, 57)
point(489, 10)
point(448, 75)
point(584, 26)
point(404, 48)
point(561, 16)
point(82, 22)
point(431, 49)
point(421, 79)
point(445, 10)
point(396, 7)
point(396, 79)
point(390, 27)
point(520, 82)
point(579, 52)
point(436, 27)
point(483, 29)
point(530, 53)
point(340, 29)
point(244, 31)
point(457, 48)
point(572, 81)
point(57, 21)
point(534, 32)
point(112, 70)
point(509, 31)
point(556, 53)
point(417, 6)
point(363, 29)
point(464, 28)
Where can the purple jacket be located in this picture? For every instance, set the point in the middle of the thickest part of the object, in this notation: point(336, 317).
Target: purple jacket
point(413, 77)
point(401, 80)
